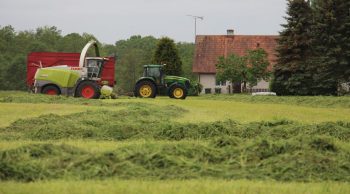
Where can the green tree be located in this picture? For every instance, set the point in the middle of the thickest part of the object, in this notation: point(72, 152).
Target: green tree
point(131, 69)
point(331, 45)
point(232, 68)
point(7, 38)
point(48, 36)
point(248, 69)
point(72, 42)
point(15, 77)
point(167, 53)
point(292, 75)
point(186, 53)
point(258, 64)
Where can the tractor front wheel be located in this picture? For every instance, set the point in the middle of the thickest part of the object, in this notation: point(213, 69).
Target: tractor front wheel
point(145, 89)
point(51, 90)
point(88, 89)
point(178, 92)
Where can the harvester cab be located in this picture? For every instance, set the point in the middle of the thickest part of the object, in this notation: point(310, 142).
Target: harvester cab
point(91, 66)
point(94, 65)
point(82, 81)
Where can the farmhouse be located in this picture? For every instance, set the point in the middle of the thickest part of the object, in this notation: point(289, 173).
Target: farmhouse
point(210, 47)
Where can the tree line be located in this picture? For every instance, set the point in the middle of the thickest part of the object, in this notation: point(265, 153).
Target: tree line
point(314, 48)
point(131, 54)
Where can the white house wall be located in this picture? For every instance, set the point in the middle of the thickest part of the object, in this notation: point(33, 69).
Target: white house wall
point(209, 81)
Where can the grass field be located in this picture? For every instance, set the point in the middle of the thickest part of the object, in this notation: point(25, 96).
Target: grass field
point(203, 110)
point(206, 144)
point(173, 186)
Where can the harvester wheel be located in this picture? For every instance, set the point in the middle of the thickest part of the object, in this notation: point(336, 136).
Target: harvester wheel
point(145, 89)
point(178, 92)
point(88, 89)
point(51, 90)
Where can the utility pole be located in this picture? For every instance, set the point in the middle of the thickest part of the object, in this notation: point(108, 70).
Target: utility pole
point(195, 23)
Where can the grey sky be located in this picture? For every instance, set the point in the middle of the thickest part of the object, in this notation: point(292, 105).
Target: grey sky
point(112, 20)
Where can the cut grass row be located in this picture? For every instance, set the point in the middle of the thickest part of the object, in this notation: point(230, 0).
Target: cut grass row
point(307, 159)
point(10, 112)
point(208, 186)
point(308, 101)
point(154, 122)
point(19, 105)
point(95, 146)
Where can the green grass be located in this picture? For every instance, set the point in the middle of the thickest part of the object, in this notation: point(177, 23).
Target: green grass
point(137, 144)
point(116, 186)
point(205, 108)
point(202, 110)
point(206, 144)
point(10, 112)
point(310, 101)
point(91, 146)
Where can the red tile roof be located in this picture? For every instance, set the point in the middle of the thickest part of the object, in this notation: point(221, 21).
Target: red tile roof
point(210, 47)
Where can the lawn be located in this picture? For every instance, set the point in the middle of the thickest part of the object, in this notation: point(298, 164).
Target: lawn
point(206, 144)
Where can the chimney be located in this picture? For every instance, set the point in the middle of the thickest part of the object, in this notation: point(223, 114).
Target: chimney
point(230, 32)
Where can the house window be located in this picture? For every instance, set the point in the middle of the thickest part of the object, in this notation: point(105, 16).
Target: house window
point(220, 83)
point(207, 90)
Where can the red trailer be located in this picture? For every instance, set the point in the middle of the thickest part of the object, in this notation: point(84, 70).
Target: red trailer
point(49, 59)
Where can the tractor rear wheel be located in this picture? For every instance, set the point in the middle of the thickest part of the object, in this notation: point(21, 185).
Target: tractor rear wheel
point(145, 89)
point(88, 89)
point(178, 92)
point(51, 90)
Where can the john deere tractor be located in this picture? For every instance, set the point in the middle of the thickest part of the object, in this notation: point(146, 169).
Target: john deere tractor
point(82, 81)
point(154, 82)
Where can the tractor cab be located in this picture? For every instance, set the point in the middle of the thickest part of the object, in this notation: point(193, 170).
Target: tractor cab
point(155, 72)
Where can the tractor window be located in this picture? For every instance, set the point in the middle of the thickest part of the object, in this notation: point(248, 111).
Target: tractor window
point(94, 67)
point(153, 72)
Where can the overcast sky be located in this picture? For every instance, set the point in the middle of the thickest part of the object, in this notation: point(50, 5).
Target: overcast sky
point(112, 20)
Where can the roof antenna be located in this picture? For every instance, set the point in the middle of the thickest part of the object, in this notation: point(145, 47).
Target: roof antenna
point(195, 23)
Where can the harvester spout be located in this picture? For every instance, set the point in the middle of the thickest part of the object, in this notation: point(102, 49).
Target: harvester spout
point(85, 50)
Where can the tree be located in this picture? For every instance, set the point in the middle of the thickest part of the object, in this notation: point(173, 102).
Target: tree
point(292, 75)
point(258, 64)
point(186, 53)
point(15, 77)
point(331, 45)
point(131, 68)
point(72, 42)
point(231, 68)
point(7, 38)
point(48, 36)
point(248, 69)
point(167, 53)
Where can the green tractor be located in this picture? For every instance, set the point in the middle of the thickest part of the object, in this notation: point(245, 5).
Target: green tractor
point(154, 82)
